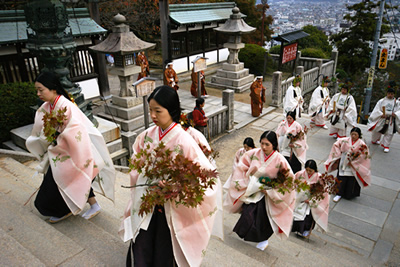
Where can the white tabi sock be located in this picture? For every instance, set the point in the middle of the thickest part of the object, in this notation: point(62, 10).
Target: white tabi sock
point(93, 211)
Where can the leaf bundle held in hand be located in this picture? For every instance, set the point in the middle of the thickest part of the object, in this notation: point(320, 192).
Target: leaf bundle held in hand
point(53, 121)
point(285, 182)
point(170, 178)
point(326, 184)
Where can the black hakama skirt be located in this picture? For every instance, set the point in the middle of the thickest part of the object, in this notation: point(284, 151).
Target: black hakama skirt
point(253, 224)
point(349, 187)
point(153, 247)
point(306, 225)
point(49, 201)
point(294, 163)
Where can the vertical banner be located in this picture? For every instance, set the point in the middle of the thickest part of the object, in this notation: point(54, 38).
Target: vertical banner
point(289, 53)
point(383, 59)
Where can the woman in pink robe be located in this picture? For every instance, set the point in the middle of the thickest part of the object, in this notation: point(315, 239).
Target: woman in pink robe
point(171, 234)
point(72, 161)
point(248, 144)
point(308, 213)
point(350, 156)
point(263, 212)
point(292, 141)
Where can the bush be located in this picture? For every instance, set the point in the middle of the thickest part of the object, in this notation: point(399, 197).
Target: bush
point(313, 52)
point(15, 109)
point(275, 50)
point(341, 74)
point(252, 56)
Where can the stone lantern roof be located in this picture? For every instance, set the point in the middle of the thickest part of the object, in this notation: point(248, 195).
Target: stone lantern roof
point(121, 41)
point(235, 24)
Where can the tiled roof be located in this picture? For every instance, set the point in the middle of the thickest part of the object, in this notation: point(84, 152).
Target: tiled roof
point(183, 14)
point(13, 25)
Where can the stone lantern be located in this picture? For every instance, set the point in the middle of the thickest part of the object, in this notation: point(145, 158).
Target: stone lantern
point(50, 40)
point(122, 44)
point(233, 75)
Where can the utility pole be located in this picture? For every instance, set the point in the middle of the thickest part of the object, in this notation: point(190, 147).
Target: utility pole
point(264, 3)
point(371, 74)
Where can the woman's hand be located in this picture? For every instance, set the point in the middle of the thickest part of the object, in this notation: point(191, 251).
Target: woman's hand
point(291, 145)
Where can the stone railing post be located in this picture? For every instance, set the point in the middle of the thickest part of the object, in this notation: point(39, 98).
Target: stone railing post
point(319, 65)
point(334, 57)
point(228, 100)
point(300, 71)
point(277, 97)
point(128, 138)
point(297, 61)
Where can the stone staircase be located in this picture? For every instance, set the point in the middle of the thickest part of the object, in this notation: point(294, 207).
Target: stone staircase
point(110, 131)
point(28, 239)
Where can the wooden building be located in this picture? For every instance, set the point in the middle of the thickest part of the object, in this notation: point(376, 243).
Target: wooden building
point(19, 65)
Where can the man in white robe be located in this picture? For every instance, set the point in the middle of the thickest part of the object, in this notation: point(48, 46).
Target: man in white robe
point(342, 112)
point(293, 99)
point(384, 120)
point(319, 104)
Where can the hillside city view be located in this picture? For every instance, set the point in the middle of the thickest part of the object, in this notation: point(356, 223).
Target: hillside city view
point(290, 15)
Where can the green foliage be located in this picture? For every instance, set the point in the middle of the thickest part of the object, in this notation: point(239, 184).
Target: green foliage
point(275, 50)
point(285, 182)
point(317, 39)
point(52, 122)
point(313, 52)
point(353, 43)
point(341, 74)
point(252, 56)
point(170, 178)
point(15, 111)
point(254, 15)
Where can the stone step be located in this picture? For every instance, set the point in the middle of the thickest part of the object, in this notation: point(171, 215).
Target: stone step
point(232, 74)
point(14, 254)
point(107, 248)
point(310, 253)
point(120, 156)
point(124, 113)
point(233, 82)
point(11, 146)
point(108, 129)
point(43, 241)
point(126, 125)
point(22, 172)
point(238, 89)
point(76, 228)
point(114, 146)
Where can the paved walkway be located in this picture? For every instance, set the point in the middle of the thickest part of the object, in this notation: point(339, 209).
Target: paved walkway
point(369, 224)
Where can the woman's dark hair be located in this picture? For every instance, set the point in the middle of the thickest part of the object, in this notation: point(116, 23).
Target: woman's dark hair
point(167, 97)
point(357, 130)
point(249, 142)
point(271, 137)
point(311, 164)
point(291, 114)
point(199, 101)
point(52, 82)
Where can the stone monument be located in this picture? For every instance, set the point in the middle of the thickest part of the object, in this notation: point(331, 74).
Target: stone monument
point(126, 108)
point(233, 75)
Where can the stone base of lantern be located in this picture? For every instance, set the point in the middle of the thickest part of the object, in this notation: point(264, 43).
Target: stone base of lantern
point(232, 76)
point(126, 111)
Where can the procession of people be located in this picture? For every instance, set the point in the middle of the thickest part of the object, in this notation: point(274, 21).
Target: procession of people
point(271, 187)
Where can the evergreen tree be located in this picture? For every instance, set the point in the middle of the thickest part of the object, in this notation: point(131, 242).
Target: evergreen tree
point(353, 43)
point(316, 39)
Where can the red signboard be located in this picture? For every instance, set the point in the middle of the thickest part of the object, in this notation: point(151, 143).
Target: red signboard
point(289, 53)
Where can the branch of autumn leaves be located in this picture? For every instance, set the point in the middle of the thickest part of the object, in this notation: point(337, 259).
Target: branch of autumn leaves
point(170, 178)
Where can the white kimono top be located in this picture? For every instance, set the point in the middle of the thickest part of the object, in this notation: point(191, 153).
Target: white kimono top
point(376, 122)
point(345, 111)
point(293, 100)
